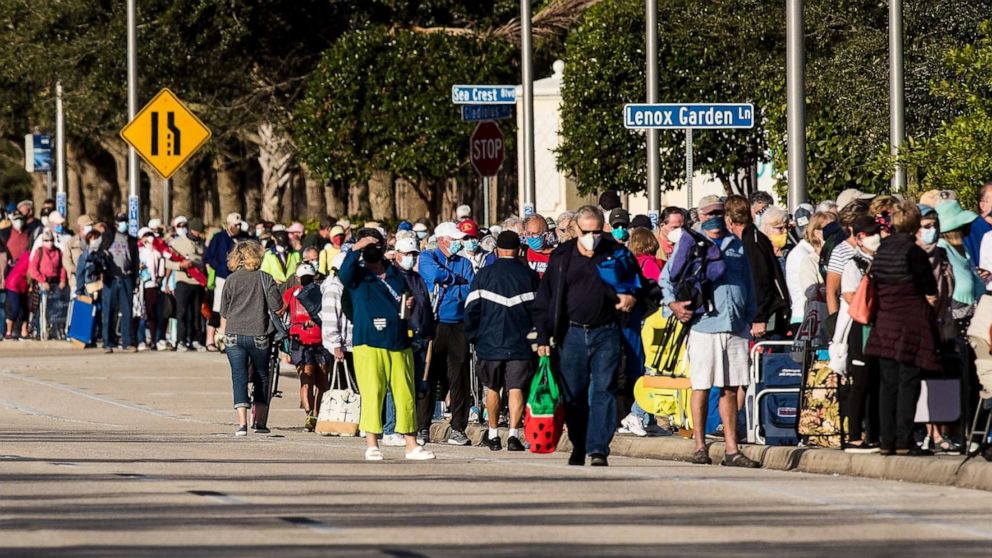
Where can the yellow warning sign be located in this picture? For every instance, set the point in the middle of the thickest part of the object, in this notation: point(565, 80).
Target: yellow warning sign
point(165, 133)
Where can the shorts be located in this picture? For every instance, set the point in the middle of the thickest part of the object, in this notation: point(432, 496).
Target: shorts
point(717, 360)
point(508, 374)
point(303, 355)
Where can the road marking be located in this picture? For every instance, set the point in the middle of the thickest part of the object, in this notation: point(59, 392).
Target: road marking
point(311, 524)
point(218, 497)
point(37, 413)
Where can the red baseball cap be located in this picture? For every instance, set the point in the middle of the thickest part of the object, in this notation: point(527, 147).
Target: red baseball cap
point(469, 227)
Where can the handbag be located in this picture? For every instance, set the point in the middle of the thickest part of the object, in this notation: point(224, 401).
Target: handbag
point(340, 408)
point(864, 305)
point(281, 329)
point(544, 418)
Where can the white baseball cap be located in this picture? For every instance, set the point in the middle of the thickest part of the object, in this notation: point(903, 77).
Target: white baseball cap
point(56, 218)
point(278, 227)
point(449, 230)
point(145, 231)
point(407, 245)
point(155, 224)
point(304, 270)
point(463, 211)
point(420, 227)
point(180, 220)
point(233, 219)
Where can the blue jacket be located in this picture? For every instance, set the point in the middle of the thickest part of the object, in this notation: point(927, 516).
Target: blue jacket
point(973, 242)
point(375, 312)
point(498, 312)
point(454, 276)
point(216, 255)
point(421, 321)
point(733, 292)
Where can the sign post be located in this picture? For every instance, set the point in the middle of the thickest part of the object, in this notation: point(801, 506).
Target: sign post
point(486, 150)
point(688, 117)
point(61, 203)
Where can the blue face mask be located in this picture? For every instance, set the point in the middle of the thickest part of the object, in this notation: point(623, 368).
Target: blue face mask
point(455, 246)
point(472, 245)
point(713, 224)
point(929, 236)
point(536, 243)
point(621, 234)
point(421, 234)
point(122, 227)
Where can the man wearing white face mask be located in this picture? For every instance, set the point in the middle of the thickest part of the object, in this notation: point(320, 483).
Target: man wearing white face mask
point(119, 278)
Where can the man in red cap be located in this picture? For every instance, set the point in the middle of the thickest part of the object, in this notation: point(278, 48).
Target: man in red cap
point(471, 247)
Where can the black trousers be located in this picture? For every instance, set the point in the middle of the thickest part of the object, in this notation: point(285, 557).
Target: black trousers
point(188, 299)
point(860, 389)
point(449, 369)
point(899, 390)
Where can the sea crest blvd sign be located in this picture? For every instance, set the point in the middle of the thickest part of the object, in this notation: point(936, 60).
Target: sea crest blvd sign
point(484, 94)
point(700, 116)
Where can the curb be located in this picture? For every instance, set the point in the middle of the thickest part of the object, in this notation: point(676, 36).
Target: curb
point(941, 470)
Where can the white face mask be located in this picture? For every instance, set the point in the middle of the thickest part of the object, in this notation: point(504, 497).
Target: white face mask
point(87, 229)
point(181, 231)
point(17, 224)
point(590, 241)
point(407, 261)
point(872, 242)
point(675, 235)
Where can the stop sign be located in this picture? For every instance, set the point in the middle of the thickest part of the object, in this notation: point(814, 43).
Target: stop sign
point(486, 148)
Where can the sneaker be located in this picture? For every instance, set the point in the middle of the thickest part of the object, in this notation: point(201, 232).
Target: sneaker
point(130, 349)
point(598, 460)
point(394, 440)
point(634, 425)
point(196, 346)
point(108, 351)
point(163, 345)
point(655, 430)
point(458, 438)
point(373, 454)
point(494, 444)
point(739, 460)
point(577, 458)
point(142, 346)
point(419, 454)
point(861, 447)
point(242, 431)
point(514, 444)
point(916, 451)
point(261, 429)
point(310, 424)
point(180, 348)
point(423, 436)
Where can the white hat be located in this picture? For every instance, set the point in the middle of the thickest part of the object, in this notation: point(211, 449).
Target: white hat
point(344, 223)
point(304, 270)
point(233, 219)
point(449, 230)
point(144, 231)
point(55, 218)
point(296, 227)
point(851, 194)
point(420, 227)
point(155, 224)
point(407, 245)
point(180, 220)
point(495, 230)
point(463, 211)
point(278, 227)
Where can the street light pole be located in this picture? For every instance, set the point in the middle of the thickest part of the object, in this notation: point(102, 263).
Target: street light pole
point(897, 101)
point(654, 175)
point(132, 109)
point(60, 197)
point(795, 83)
point(527, 75)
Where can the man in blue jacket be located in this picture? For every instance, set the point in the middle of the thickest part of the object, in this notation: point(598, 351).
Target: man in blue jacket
point(215, 256)
point(449, 275)
point(497, 321)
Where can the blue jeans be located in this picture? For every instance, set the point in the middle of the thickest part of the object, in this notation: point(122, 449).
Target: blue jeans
point(117, 298)
point(389, 425)
point(240, 350)
point(590, 363)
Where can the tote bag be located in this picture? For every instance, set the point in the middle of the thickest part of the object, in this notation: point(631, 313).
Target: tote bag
point(544, 418)
point(340, 407)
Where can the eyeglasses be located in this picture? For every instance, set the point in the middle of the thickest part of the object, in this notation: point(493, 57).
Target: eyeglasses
point(595, 231)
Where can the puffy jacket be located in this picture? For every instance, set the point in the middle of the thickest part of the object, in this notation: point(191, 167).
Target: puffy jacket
point(454, 276)
point(499, 310)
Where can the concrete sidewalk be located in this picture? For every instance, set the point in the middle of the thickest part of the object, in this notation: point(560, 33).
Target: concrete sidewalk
point(944, 470)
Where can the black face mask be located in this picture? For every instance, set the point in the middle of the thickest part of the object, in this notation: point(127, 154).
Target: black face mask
point(372, 254)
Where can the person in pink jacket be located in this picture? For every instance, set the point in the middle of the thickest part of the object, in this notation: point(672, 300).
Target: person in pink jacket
point(45, 266)
point(17, 296)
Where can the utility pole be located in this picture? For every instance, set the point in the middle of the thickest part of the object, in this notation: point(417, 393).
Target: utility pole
point(897, 100)
point(795, 83)
point(61, 204)
point(527, 71)
point(654, 174)
point(133, 203)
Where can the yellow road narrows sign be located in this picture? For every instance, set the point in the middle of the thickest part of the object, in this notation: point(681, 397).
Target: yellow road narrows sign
point(165, 133)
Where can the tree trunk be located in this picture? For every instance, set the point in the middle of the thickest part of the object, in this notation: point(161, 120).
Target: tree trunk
point(276, 161)
point(316, 203)
point(358, 199)
point(381, 196)
point(182, 194)
point(229, 197)
point(336, 199)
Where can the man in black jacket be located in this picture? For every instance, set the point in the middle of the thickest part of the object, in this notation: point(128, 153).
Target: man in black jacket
point(497, 321)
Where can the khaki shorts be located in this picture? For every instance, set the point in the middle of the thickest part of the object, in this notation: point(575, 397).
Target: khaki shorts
point(717, 360)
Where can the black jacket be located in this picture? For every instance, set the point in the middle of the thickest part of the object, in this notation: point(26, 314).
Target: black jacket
point(422, 316)
point(766, 274)
point(499, 310)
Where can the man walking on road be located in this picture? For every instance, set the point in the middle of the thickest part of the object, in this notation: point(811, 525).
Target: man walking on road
point(718, 341)
point(582, 313)
point(450, 275)
point(497, 321)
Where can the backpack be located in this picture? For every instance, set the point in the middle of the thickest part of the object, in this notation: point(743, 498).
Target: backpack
point(696, 263)
point(833, 235)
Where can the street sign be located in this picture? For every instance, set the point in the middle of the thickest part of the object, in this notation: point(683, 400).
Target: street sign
point(486, 148)
point(165, 133)
point(479, 113)
point(484, 94)
point(700, 116)
point(38, 153)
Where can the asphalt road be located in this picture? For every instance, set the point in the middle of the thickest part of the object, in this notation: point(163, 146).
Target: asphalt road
point(133, 455)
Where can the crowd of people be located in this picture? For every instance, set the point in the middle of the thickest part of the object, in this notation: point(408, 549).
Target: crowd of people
point(459, 314)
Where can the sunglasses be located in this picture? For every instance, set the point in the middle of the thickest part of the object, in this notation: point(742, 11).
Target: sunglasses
point(594, 231)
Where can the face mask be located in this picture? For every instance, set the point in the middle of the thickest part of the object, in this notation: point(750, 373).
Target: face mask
point(536, 243)
point(455, 246)
point(406, 262)
point(372, 254)
point(713, 224)
point(872, 242)
point(590, 241)
point(779, 240)
point(621, 234)
point(929, 236)
point(421, 235)
point(244, 227)
point(44, 221)
point(181, 231)
point(95, 245)
point(472, 245)
point(122, 227)
point(258, 232)
point(280, 249)
point(17, 224)
point(59, 229)
point(87, 229)
point(675, 235)
point(757, 220)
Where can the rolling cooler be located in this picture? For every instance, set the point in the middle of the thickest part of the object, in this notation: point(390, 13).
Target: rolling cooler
point(772, 402)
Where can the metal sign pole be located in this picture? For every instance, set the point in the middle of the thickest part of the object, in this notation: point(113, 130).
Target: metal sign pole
point(133, 203)
point(61, 204)
point(654, 174)
point(795, 83)
point(527, 75)
point(166, 193)
point(485, 201)
point(897, 101)
point(688, 167)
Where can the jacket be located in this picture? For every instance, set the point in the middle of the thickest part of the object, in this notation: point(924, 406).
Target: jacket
point(499, 310)
point(421, 320)
point(17, 278)
point(376, 315)
point(767, 276)
point(279, 270)
point(216, 253)
point(453, 274)
point(46, 265)
point(121, 251)
point(190, 249)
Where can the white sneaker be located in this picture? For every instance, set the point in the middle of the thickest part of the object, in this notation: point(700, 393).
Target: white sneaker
point(198, 347)
point(394, 440)
point(373, 454)
point(419, 454)
point(634, 425)
point(142, 346)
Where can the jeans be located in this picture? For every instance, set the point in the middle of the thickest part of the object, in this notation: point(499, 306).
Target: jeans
point(899, 389)
point(389, 424)
point(242, 349)
point(590, 363)
point(117, 296)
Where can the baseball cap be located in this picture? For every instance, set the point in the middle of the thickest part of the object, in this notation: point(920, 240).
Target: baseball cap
point(24, 203)
point(449, 230)
point(233, 219)
point(56, 218)
point(404, 226)
point(196, 224)
point(407, 245)
point(508, 240)
point(803, 212)
point(278, 227)
point(420, 227)
point(619, 217)
point(155, 223)
point(304, 270)
point(344, 223)
point(609, 200)
point(84, 221)
point(336, 230)
point(850, 195)
point(296, 227)
point(144, 231)
point(463, 212)
point(469, 227)
point(710, 203)
point(180, 220)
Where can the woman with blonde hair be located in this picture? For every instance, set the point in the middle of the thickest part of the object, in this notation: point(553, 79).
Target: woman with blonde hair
point(802, 269)
point(250, 296)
